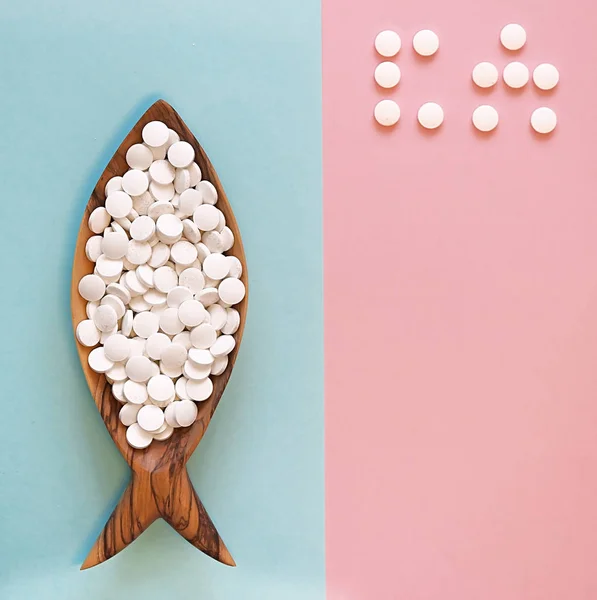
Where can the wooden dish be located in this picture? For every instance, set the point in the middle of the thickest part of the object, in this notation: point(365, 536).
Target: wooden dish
point(160, 485)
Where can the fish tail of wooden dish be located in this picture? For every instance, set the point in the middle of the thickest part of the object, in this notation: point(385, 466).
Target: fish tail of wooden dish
point(168, 494)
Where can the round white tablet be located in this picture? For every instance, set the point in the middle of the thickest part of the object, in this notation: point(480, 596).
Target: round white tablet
point(116, 303)
point(387, 74)
point(170, 414)
point(135, 393)
point(181, 154)
point(161, 192)
point(425, 42)
point(119, 204)
point(113, 185)
point(183, 253)
point(171, 371)
point(137, 437)
point(135, 182)
point(216, 266)
point(200, 390)
point(174, 356)
point(232, 321)
point(138, 368)
point(208, 296)
point(138, 253)
point(156, 344)
point(181, 388)
point(231, 290)
point(185, 412)
point(142, 228)
point(98, 361)
point(546, 76)
point(170, 226)
point(544, 120)
point(387, 113)
point(430, 116)
point(217, 316)
point(184, 339)
point(485, 118)
point(87, 333)
point(142, 203)
point(128, 413)
point(202, 251)
point(219, 365)
point(162, 172)
point(227, 238)
point(516, 75)
point(146, 324)
point(192, 370)
point(388, 43)
point(117, 347)
point(93, 247)
point(214, 242)
point(92, 287)
point(127, 323)
point(159, 208)
point(182, 180)
point(191, 313)
point(160, 254)
point(236, 267)
point(189, 201)
point(208, 192)
point(177, 295)
point(165, 434)
point(513, 36)
point(105, 318)
point(203, 336)
point(206, 217)
point(201, 357)
point(99, 219)
point(118, 290)
point(160, 388)
point(139, 156)
point(114, 245)
point(155, 298)
point(133, 284)
point(195, 173)
point(169, 322)
point(485, 74)
point(108, 268)
point(155, 134)
point(223, 345)
point(144, 274)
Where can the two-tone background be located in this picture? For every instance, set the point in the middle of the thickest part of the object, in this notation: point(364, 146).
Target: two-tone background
point(442, 444)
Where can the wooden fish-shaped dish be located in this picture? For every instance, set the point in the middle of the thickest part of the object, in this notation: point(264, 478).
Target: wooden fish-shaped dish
point(160, 486)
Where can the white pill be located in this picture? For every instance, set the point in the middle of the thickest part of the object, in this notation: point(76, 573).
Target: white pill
point(178, 295)
point(485, 75)
point(174, 356)
point(139, 304)
point(219, 365)
point(87, 333)
point(165, 279)
point(485, 118)
point(513, 36)
point(227, 238)
point(516, 75)
point(232, 321)
point(135, 183)
point(157, 209)
point(191, 313)
point(430, 115)
point(156, 344)
point(124, 222)
point(194, 371)
point(106, 334)
point(167, 432)
point(208, 192)
point(221, 222)
point(387, 113)
point(189, 201)
point(99, 219)
point(142, 203)
point(169, 321)
point(98, 361)
point(90, 309)
point(214, 242)
point(183, 253)
point(144, 274)
point(184, 339)
point(544, 120)
point(138, 253)
point(162, 172)
point(117, 373)
point(211, 283)
point(169, 226)
point(92, 287)
point(160, 388)
point(127, 323)
point(206, 217)
point(134, 392)
point(387, 74)
point(160, 254)
point(146, 324)
point(118, 290)
point(117, 347)
point(236, 267)
point(108, 268)
point(546, 76)
point(138, 346)
point(133, 284)
point(182, 180)
point(142, 229)
point(118, 391)
point(170, 414)
point(223, 345)
point(113, 185)
point(203, 336)
point(181, 388)
point(93, 247)
point(191, 231)
point(105, 318)
point(425, 42)
point(138, 368)
point(202, 251)
point(217, 316)
point(208, 296)
point(128, 413)
point(231, 290)
point(195, 173)
point(200, 356)
point(171, 371)
point(137, 437)
point(216, 266)
point(139, 156)
point(155, 134)
point(116, 303)
point(388, 43)
point(186, 412)
point(155, 298)
point(119, 204)
point(200, 390)
point(181, 154)
point(161, 192)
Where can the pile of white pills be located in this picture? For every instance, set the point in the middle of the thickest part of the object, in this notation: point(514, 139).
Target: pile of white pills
point(159, 301)
point(485, 75)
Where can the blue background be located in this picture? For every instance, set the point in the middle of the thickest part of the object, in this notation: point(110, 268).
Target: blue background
point(246, 77)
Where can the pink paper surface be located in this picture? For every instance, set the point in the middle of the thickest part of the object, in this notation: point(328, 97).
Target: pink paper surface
point(460, 311)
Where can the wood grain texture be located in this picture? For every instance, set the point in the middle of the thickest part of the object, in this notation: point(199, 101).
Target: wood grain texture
point(160, 486)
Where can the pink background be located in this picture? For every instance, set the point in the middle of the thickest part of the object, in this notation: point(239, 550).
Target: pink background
point(461, 311)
